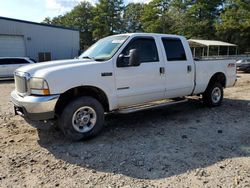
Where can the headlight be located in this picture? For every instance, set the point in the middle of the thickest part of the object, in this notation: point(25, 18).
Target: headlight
point(39, 86)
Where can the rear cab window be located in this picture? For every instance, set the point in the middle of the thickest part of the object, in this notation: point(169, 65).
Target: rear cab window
point(174, 49)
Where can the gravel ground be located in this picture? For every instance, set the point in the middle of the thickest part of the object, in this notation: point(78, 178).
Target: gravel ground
point(186, 145)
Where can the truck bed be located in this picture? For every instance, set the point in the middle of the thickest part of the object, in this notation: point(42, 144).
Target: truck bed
point(205, 69)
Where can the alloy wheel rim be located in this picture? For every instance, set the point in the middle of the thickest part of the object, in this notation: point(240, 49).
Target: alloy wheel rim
point(216, 95)
point(84, 119)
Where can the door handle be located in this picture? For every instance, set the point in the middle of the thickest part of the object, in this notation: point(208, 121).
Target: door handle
point(189, 68)
point(162, 70)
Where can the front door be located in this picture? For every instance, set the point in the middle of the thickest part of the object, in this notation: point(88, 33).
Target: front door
point(143, 83)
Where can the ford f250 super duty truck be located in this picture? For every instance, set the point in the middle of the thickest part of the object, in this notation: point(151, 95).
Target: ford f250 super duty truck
point(121, 73)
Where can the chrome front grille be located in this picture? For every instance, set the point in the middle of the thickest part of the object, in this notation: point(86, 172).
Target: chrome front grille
point(21, 84)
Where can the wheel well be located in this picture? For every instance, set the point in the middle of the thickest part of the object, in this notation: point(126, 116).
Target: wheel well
point(218, 77)
point(73, 93)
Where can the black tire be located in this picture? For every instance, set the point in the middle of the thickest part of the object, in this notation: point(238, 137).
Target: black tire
point(209, 94)
point(65, 121)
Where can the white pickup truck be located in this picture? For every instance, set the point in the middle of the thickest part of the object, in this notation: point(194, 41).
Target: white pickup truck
point(122, 73)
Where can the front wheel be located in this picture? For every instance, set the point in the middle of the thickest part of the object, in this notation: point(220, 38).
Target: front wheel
point(213, 95)
point(81, 119)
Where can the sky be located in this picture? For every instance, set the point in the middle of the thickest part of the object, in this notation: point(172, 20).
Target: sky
point(37, 10)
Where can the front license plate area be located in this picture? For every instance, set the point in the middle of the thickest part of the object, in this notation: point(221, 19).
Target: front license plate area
point(18, 111)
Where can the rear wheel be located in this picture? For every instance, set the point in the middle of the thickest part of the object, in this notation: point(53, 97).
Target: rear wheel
point(213, 95)
point(83, 118)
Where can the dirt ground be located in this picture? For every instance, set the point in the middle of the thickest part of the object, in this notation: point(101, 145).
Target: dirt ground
point(186, 145)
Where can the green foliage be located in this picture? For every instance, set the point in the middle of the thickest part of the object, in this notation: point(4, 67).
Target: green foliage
point(80, 18)
point(234, 24)
point(108, 18)
point(132, 17)
point(201, 15)
point(227, 20)
point(155, 17)
point(179, 22)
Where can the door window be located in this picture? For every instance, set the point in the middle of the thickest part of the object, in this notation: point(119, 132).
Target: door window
point(3, 62)
point(174, 49)
point(146, 48)
point(12, 61)
point(19, 61)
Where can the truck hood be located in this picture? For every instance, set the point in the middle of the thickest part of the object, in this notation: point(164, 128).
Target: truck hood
point(66, 74)
point(42, 69)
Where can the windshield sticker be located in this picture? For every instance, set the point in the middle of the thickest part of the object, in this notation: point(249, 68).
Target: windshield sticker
point(117, 41)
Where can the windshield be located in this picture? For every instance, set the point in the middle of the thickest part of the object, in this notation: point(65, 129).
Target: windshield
point(105, 48)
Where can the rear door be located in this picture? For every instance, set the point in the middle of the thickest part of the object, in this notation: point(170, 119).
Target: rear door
point(144, 83)
point(179, 68)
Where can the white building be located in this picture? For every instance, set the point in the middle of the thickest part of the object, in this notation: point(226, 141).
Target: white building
point(41, 42)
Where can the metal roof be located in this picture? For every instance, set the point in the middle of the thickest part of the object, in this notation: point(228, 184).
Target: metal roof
point(35, 23)
point(204, 43)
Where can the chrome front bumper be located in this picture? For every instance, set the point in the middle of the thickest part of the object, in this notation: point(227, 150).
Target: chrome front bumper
point(35, 107)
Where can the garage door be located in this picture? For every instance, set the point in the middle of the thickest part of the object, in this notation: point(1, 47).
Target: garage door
point(12, 46)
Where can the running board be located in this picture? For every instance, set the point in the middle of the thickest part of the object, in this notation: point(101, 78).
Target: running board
point(151, 105)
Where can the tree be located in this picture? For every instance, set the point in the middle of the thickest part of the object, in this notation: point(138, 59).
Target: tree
point(227, 20)
point(234, 24)
point(47, 20)
point(108, 18)
point(177, 17)
point(200, 18)
point(155, 17)
point(150, 19)
point(132, 17)
point(80, 17)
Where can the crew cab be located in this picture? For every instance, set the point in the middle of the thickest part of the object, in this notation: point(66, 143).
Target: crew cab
point(118, 74)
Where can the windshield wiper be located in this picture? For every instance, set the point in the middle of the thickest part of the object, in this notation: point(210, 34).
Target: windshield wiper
point(87, 57)
point(100, 59)
point(95, 59)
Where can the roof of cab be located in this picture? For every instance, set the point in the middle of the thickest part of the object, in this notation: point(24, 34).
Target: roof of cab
point(151, 34)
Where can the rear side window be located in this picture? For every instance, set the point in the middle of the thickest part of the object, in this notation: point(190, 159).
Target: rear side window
point(174, 49)
point(20, 61)
point(11, 61)
point(3, 62)
point(146, 48)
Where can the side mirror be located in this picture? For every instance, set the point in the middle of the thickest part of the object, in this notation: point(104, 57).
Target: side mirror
point(121, 61)
point(134, 58)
